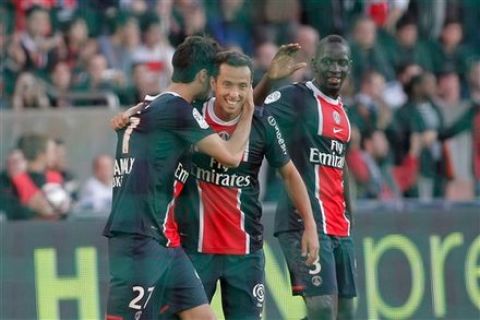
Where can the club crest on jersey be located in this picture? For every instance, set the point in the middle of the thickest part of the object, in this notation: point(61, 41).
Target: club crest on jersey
point(317, 281)
point(199, 118)
point(272, 97)
point(336, 117)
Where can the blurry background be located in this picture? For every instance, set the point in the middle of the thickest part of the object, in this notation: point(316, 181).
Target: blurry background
point(413, 97)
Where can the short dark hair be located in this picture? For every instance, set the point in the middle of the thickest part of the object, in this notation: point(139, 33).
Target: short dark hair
point(192, 55)
point(32, 145)
point(332, 39)
point(232, 58)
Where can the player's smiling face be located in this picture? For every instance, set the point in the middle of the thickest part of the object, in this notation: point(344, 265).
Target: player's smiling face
point(332, 65)
point(231, 87)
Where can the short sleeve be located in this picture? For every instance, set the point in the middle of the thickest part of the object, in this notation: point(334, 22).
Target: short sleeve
point(183, 120)
point(276, 149)
point(281, 105)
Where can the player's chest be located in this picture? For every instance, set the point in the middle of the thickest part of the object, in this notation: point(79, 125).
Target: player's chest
point(322, 120)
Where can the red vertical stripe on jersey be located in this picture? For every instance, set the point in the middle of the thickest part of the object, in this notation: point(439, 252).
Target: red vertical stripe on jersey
point(332, 198)
point(222, 221)
point(170, 226)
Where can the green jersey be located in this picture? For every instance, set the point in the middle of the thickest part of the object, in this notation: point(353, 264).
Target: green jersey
point(147, 172)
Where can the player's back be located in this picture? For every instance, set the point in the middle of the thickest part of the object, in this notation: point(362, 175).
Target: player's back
point(146, 166)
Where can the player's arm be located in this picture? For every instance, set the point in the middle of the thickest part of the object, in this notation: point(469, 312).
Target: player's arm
point(347, 195)
point(230, 153)
point(122, 119)
point(298, 193)
point(282, 66)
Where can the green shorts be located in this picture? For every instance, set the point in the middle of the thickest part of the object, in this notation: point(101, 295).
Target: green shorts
point(334, 273)
point(241, 279)
point(148, 279)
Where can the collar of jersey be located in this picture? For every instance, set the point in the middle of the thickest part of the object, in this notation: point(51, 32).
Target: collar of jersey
point(209, 108)
point(317, 93)
point(149, 98)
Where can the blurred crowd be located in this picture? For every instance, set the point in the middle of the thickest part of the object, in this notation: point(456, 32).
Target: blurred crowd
point(413, 95)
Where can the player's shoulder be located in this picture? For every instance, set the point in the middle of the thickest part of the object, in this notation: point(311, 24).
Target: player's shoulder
point(287, 93)
point(167, 101)
point(264, 117)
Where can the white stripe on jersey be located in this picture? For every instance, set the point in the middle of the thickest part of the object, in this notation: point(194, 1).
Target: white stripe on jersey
point(242, 223)
point(317, 195)
point(170, 204)
point(246, 152)
point(201, 220)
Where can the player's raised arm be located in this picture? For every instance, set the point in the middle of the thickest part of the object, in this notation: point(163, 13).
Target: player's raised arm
point(298, 193)
point(230, 152)
point(282, 66)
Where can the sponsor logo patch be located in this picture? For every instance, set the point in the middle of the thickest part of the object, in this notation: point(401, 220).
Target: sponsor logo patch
point(272, 97)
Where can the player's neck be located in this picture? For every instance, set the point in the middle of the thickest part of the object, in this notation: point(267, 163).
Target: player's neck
point(182, 89)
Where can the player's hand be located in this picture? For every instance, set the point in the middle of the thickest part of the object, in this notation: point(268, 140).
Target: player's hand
point(122, 119)
point(284, 64)
point(249, 105)
point(310, 245)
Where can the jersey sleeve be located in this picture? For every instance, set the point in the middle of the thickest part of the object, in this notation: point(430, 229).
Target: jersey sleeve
point(184, 121)
point(276, 149)
point(281, 105)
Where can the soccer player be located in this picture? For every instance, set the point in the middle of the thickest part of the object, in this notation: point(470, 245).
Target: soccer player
point(312, 117)
point(147, 264)
point(219, 212)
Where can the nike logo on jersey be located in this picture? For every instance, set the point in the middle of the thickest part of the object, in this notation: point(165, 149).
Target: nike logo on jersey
point(337, 130)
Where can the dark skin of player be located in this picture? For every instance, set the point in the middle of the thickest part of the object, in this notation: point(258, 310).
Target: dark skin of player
point(331, 66)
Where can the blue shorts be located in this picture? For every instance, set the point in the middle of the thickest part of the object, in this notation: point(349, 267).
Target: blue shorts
point(148, 279)
point(333, 274)
point(241, 279)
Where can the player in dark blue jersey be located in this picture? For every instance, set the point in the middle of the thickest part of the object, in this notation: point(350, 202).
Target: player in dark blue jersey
point(317, 130)
point(148, 268)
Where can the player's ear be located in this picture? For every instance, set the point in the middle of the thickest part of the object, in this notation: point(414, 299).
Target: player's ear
point(212, 82)
point(203, 76)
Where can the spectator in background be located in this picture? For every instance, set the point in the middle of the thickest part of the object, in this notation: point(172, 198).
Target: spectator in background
point(448, 51)
point(39, 188)
point(155, 52)
point(453, 106)
point(370, 112)
point(404, 48)
point(96, 194)
point(77, 48)
point(230, 22)
point(15, 164)
point(145, 82)
point(307, 37)
point(29, 93)
point(37, 41)
point(369, 164)
point(119, 46)
point(366, 53)
point(60, 165)
point(99, 78)
point(278, 20)
point(394, 93)
point(61, 79)
point(420, 118)
point(264, 54)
